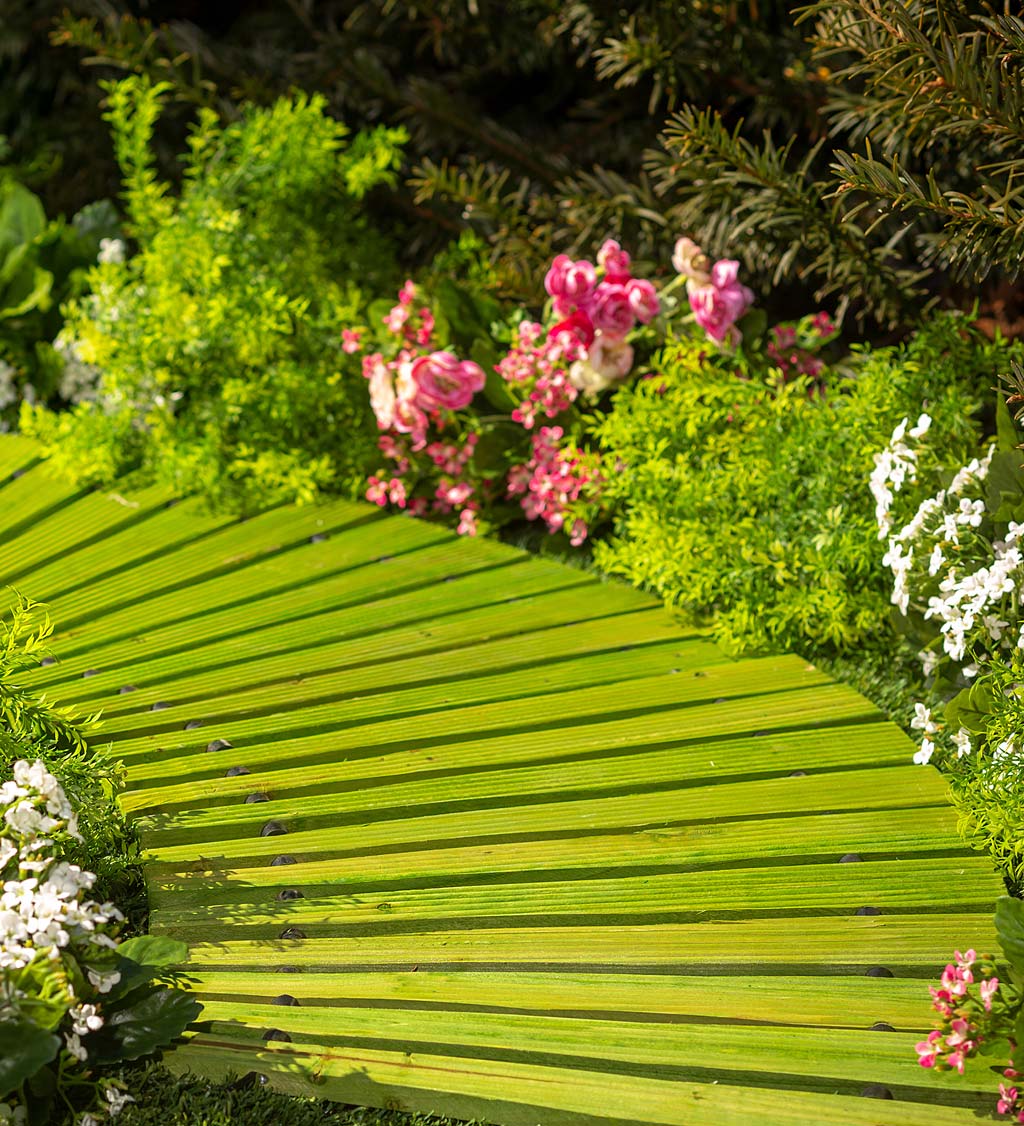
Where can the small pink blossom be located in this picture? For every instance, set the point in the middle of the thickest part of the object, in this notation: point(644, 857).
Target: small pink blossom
point(407, 294)
point(928, 1049)
point(377, 491)
point(426, 328)
point(395, 320)
point(614, 261)
point(350, 338)
point(987, 989)
point(467, 523)
point(1007, 1099)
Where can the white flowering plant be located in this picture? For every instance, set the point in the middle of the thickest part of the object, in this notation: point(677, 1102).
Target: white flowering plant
point(71, 995)
point(956, 556)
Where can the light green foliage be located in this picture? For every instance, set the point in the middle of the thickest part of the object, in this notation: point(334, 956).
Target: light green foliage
point(987, 784)
point(35, 729)
point(746, 498)
point(218, 344)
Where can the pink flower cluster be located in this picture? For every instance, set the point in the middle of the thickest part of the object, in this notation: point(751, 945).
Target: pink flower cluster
point(717, 298)
point(415, 388)
point(454, 492)
point(970, 1018)
point(538, 366)
point(556, 484)
point(599, 313)
point(792, 346)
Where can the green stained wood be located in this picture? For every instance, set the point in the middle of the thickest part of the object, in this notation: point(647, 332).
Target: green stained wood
point(552, 858)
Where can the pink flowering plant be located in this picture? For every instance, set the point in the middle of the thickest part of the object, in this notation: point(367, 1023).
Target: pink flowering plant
point(978, 1005)
point(484, 420)
point(496, 434)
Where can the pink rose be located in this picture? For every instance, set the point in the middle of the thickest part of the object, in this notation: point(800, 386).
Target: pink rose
point(382, 389)
point(578, 325)
point(724, 272)
point(614, 261)
point(569, 282)
point(611, 310)
point(720, 304)
point(643, 300)
point(443, 382)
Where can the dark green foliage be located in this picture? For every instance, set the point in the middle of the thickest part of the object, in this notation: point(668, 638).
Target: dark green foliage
point(162, 1099)
point(217, 346)
point(747, 499)
point(42, 264)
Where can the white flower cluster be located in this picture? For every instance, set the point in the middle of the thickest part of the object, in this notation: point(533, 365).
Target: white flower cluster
point(111, 250)
point(79, 381)
point(924, 722)
point(894, 466)
point(44, 912)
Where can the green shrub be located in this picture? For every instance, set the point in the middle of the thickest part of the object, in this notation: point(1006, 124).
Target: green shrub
point(746, 497)
point(218, 344)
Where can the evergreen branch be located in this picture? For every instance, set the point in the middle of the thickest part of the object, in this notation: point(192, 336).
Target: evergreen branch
point(975, 236)
point(751, 200)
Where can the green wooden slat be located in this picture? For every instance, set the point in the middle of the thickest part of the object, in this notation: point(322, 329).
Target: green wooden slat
point(17, 454)
point(772, 753)
point(807, 889)
point(828, 1002)
point(734, 1052)
point(318, 672)
point(160, 754)
point(67, 530)
point(852, 944)
point(871, 835)
point(241, 844)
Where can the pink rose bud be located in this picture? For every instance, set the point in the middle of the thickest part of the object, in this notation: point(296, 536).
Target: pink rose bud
point(643, 300)
point(614, 261)
point(570, 281)
point(611, 310)
point(443, 382)
point(690, 261)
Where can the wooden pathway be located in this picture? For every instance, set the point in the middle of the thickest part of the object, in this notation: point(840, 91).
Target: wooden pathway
point(451, 828)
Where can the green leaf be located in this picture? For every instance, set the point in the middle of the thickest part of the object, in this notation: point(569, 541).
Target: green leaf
point(469, 317)
point(143, 958)
point(29, 290)
point(152, 1021)
point(971, 708)
point(22, 217)
point(1010, 928)
point(24, 1049)
point(1006, 431)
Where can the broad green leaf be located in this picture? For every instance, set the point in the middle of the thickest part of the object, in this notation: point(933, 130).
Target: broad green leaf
point(152, 1021)
point(22, 217)
point(24, 1049)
